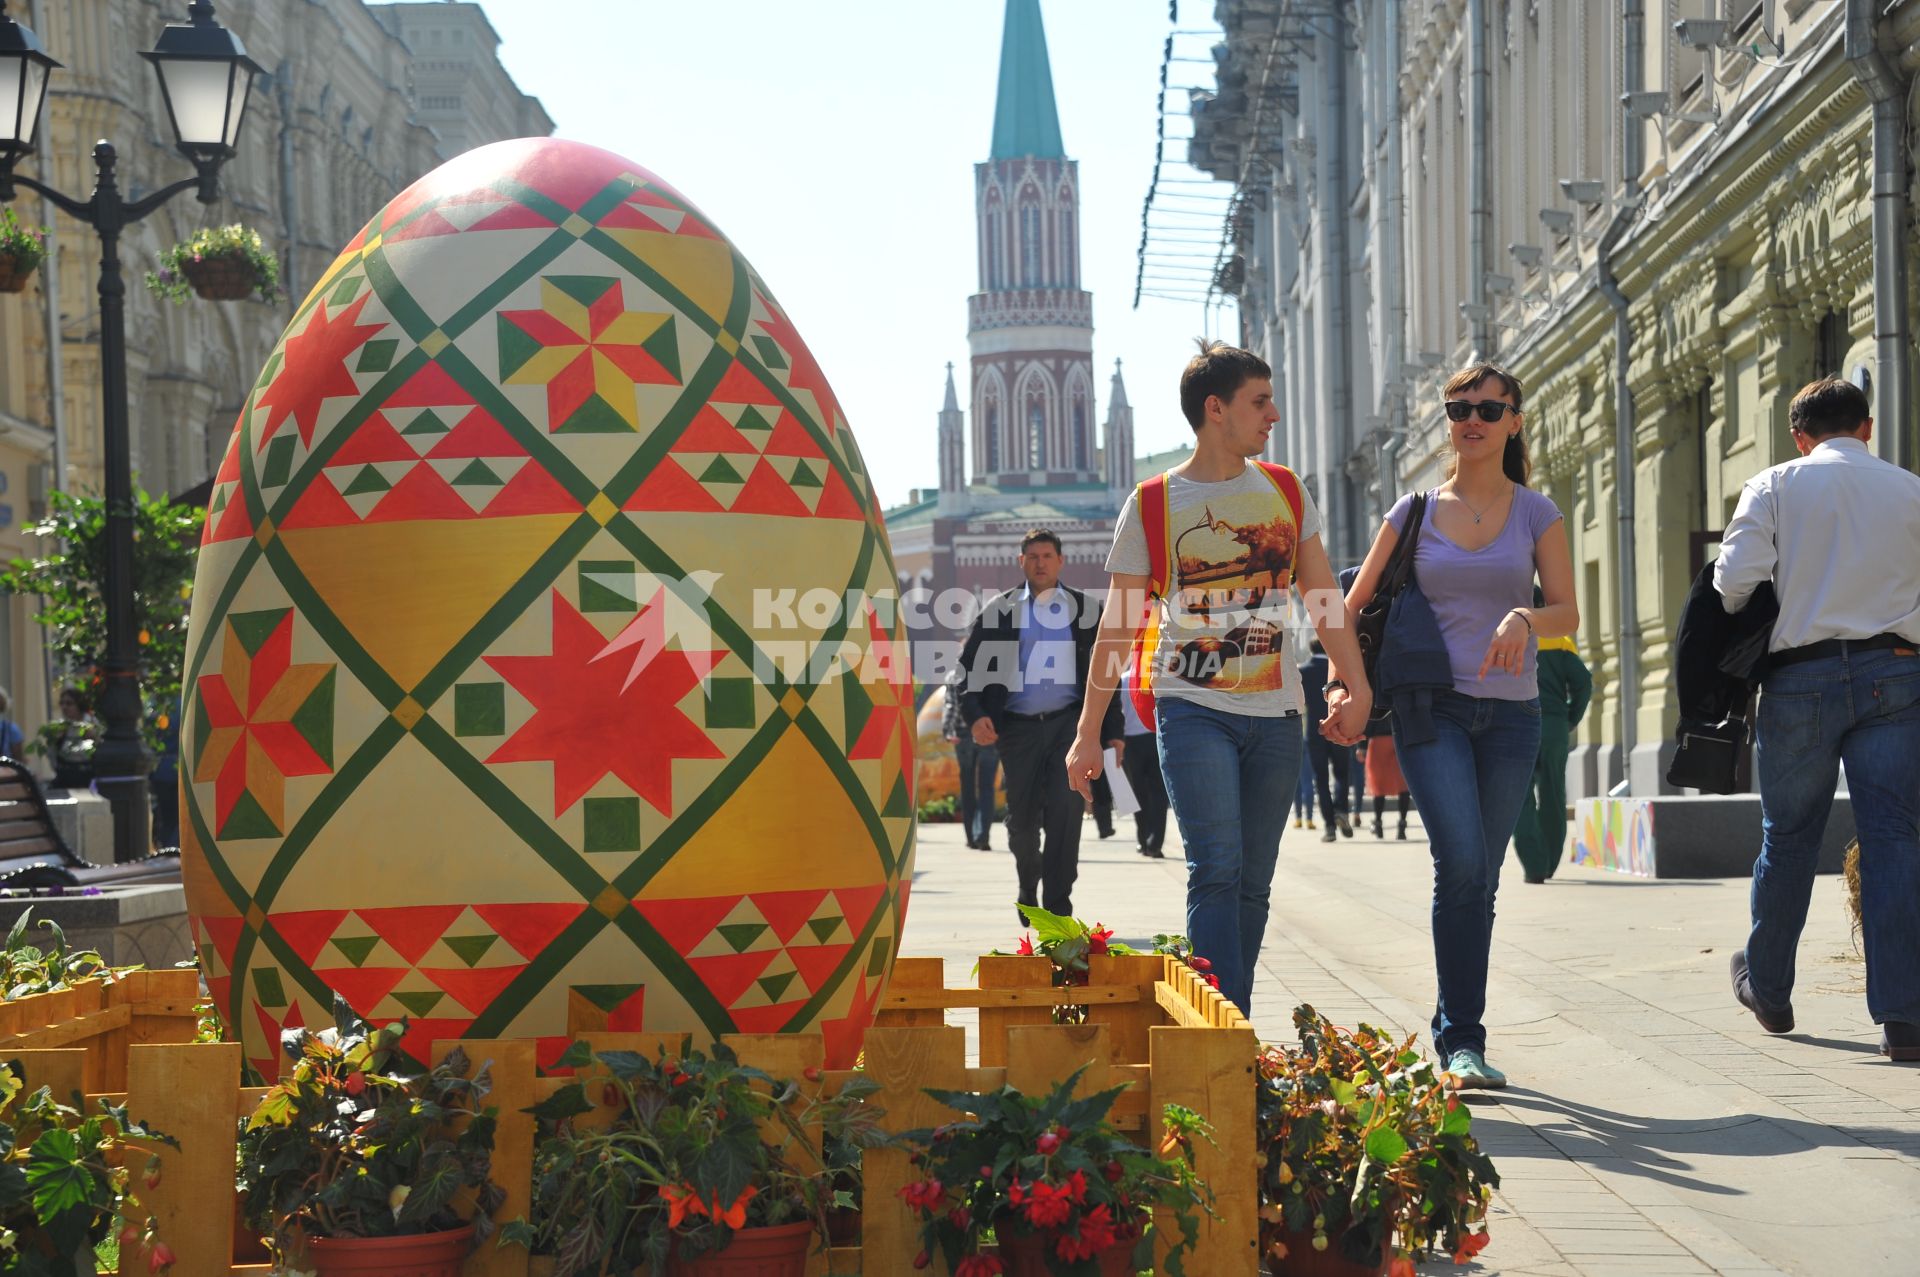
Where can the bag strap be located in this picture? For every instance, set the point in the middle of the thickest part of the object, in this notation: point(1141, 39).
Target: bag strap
point(1400, 564)
point(1156, 521)
point(1288, 485)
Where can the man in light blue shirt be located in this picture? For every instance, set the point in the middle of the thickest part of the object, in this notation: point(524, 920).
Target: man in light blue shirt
point(1026, 663)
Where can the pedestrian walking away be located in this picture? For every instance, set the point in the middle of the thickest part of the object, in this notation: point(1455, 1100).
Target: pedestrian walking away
point(1141, 762)
point(1837, 532)
point(1385, 782)
point(1025, 662)
point(12, 738)
point(1210, 551)
point(979, 767)
point(1565, 688)
point(1327, 761)
point(1468, 751)
point(1304, 794)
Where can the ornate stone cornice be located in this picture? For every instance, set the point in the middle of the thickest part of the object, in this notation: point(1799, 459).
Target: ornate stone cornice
point(1747, 168)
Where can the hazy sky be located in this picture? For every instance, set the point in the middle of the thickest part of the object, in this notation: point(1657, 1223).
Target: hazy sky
point(834, 142)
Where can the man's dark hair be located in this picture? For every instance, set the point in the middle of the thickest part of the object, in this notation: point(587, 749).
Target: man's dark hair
point(1828, 406)
point(1219, 369)
point(1041, 534)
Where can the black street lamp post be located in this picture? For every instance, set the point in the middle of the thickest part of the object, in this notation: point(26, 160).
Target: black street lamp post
point(205, 75)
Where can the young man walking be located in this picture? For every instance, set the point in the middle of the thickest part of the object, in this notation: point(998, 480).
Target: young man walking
point(1026, 662)
point(1838, 534)
point(1213, 547)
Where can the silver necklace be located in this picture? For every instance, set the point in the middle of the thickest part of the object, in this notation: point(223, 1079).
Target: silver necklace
point(1478, 514)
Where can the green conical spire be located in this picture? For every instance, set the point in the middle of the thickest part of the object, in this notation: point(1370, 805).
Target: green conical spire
point(1025, 121)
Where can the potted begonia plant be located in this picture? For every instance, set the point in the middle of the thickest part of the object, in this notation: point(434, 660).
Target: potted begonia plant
point(217, 263)
point(705, 1166)
point(67, 1185)
point(355, 1158)
point(1366, 1159)
point(1058, 1189)
point(22, 249)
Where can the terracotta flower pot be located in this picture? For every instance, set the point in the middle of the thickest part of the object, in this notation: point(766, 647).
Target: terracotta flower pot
point(423, 1255)
point(221, 279)
point(248, 1246)
point(1033, 1256)
point(13, 277)
point(1304, 1261)
point(843, 1227)
point(779, 1251)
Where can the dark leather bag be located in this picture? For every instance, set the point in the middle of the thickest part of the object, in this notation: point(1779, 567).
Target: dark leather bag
point(1713, 758)
point(1370, 627)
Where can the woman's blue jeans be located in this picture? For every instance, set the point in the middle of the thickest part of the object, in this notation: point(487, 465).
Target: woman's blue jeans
point(1469, 783)
point(1231, 778)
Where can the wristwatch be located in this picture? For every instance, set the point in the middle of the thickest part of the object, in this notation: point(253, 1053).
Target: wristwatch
point(1336, 685)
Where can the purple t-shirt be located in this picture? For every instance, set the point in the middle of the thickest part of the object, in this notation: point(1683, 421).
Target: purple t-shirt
point(1470, 590)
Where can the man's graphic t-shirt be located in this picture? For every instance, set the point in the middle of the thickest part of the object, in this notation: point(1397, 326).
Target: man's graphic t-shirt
point(1225, 638)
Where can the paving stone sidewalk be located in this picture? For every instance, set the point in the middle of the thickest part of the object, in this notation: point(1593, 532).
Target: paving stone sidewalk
point(1651, 1127)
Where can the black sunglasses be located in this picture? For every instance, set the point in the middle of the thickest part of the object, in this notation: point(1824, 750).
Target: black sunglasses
point(1489, 409)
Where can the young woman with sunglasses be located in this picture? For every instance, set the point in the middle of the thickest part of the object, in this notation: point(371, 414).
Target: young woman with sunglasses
point(1484, 537)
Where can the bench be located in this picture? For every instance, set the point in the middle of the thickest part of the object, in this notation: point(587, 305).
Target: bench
point(34, 855)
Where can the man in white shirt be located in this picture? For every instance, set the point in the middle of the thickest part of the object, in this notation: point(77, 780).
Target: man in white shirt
point(1838, 534)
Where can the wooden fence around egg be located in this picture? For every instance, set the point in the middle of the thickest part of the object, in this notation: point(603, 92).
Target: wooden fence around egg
point(1152, 1021)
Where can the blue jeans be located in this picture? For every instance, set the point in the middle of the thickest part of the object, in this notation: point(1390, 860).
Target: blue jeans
point(1230, 777)
point(979, 765)
point(1469, 783)
point(1303, 795)
point(1863, 710)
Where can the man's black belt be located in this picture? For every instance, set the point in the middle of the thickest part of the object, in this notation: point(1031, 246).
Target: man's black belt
point(1041, 718)
point(1836, 647)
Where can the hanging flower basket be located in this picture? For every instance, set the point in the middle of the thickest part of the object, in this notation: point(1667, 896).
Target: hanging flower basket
point(15, 277)
point(221, 279)
point(22, 248)
point(219, 263)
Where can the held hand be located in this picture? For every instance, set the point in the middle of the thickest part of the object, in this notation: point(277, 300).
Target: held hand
point(1084, 765)
point(1508, 650)
point(1347, 714)
point(1119, 748)
point(983, 733)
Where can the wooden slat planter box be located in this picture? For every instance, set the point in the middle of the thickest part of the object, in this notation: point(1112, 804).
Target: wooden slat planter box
point(103, 1018)
point(1152, 1022)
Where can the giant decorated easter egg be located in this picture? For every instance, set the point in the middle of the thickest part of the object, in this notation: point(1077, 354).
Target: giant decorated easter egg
point(542, 675)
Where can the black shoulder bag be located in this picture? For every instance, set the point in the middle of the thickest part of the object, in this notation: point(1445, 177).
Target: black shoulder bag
point(1370, 627)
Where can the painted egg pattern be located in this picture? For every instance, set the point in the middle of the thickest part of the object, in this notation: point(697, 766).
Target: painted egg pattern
point(501, 716)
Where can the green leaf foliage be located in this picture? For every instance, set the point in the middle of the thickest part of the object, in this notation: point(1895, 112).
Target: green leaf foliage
point(33, 965)
point(1053, 1166)
point(64, 1178)
point(70, 579)
point(695, 1148)
point(1362, 1144)
point(356, 1142)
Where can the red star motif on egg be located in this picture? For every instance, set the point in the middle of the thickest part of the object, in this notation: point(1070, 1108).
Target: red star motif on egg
point(314, 370)
point(593, 718)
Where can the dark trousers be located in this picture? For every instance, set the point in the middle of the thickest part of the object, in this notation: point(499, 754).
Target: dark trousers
point(1541, 836)
point(978, 766)
point(1329, 762)
point(1142, 766)
point(1043, 814)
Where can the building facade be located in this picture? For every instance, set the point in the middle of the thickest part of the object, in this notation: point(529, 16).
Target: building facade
point(1024, 453)
point(330, 136)
point(1658, 213)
